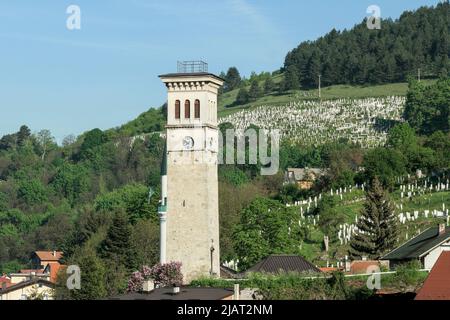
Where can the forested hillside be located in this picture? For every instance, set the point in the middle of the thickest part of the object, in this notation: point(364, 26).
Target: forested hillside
point(356, 63)
point(417, 40)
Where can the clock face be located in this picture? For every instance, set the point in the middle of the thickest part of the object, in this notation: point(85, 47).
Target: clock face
point(188, 143)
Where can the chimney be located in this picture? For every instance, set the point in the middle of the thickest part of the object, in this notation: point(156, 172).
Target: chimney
point(176, 290)
point(54, 253)
point(441, 228)
point(148, 286)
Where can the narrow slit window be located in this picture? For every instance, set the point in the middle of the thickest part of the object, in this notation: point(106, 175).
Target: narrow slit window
point(197, 109)
point(187, 109)
point(177, 109)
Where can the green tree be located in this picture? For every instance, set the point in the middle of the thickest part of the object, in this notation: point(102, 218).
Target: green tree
point(269, 85)
point(145, 238)
point(266, 227)
point(117, 246)
point(7, 142)
point(45, 141)
point(3, 201)
point(439, 142)
point(290, 80)
point(255, 91)
point(427, 108)
point(232, 79)
point(386, 164)
point(242, 97)
point(23, 134)
point(133, 199)
point(402, 137)
point(313, 70)
point(71, 181)
point(93, 277)
point(377, 227)
point(92, 139)
point(330, 218)
point(32, 192)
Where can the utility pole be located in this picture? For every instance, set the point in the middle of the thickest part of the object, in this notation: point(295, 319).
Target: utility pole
point(320, 80)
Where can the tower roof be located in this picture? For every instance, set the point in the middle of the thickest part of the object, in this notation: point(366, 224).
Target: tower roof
point(190, 75)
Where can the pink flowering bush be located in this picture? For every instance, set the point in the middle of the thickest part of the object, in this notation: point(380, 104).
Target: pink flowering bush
point(163, 275)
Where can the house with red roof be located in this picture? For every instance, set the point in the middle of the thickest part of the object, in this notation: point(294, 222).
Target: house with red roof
point(5, 282)
point(437, 285)
point(28, 274)
point(40, 259)
point(46, 267)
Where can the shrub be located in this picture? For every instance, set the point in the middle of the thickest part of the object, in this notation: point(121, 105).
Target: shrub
point(163, 275)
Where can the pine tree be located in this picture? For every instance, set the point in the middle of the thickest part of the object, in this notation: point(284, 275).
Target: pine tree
point(23, 134)
point(117, 246)
point(242, 97)
point(269, 85)
point(377, 227)
point(255, 91)
point(313, 70)
point(92, 277)
point(291, 80)
point(232, 79)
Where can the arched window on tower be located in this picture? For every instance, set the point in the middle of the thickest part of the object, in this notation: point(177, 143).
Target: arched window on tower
point(187, 109)
point(177, 109)
point(197, 109)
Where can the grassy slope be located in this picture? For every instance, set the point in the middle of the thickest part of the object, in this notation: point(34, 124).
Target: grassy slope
point(332, 92)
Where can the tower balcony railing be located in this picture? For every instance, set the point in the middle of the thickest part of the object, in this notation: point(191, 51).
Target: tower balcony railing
point(192, 67)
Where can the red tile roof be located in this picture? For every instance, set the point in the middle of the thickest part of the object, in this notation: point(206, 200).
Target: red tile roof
point(49, 255)
point(5, 280)
point(437, 285)
point(54, 268)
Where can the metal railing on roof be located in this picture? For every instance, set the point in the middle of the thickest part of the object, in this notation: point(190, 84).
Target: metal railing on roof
point(192, 66)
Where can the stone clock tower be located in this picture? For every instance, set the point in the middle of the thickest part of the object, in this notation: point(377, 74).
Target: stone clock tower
point(191, 220)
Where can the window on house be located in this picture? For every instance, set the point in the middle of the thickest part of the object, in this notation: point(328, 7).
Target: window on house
point(177, 109)
point(197, 109)
point(187, 109)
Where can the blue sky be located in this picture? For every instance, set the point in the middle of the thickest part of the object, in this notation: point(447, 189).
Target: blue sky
point(106, 73)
